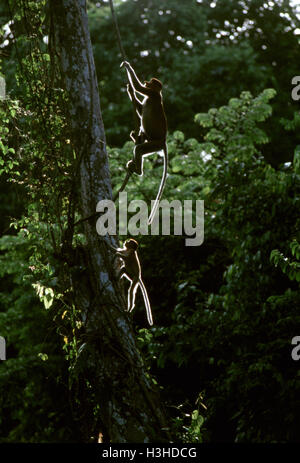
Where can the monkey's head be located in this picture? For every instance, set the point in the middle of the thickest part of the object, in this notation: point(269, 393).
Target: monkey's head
point(154, 84)
point(131, 244)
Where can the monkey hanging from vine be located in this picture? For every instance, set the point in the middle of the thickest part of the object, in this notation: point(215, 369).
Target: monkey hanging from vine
point(150, 132)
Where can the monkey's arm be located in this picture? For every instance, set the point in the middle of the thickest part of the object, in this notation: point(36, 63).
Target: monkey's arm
point(121, 252)
point(134, 81)
point(111, 247)
point(135, 101)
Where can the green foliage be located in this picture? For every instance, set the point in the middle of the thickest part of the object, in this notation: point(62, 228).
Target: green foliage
point(36, 156)
point(291, 268)
point(189, 426)
point(297, 160)
point(7, 154)
point(33, 384)
point(234, 314)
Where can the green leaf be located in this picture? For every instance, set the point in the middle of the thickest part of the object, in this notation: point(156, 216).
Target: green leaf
point(204, 119)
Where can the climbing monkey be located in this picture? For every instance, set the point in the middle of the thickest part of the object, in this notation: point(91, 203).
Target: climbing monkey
point(150, 133)
point(132, 271)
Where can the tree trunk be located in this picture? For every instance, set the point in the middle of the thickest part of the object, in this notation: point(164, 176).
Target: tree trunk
point(115, 395)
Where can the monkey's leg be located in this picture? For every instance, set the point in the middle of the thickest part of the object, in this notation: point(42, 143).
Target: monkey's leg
point(142, 150)
point(137, 136)
point(132, 293)
point(121, 273)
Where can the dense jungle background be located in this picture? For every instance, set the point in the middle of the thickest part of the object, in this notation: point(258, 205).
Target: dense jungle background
point(225, 313)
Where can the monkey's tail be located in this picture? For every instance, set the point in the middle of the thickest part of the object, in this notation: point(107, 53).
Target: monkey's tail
point(147, 303)
point(161, 186)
